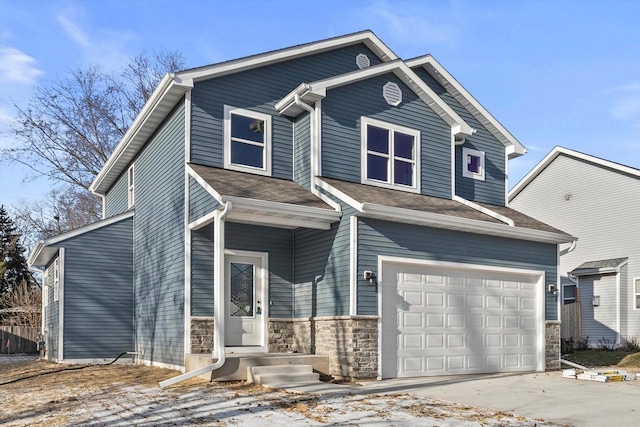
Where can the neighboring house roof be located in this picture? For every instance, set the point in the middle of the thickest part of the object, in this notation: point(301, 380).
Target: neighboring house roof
point(513, 146)
point(314, 91)
point(46, 249)
point(436, 212)
point(599, 267)
point(175, 85)
point(264, 200)
point(557, 151)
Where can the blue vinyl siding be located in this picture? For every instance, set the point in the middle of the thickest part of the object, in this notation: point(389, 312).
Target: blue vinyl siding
point(341, 137)
point(200, 201)
point(202, 271)
point(159, 244)
point(51, 323)
point(117, 200)
point(322, 269)
point(98, 292)
point(376, 237)
point(278, 243)
point(492, 189)
point(302, 151)
point(259, 90)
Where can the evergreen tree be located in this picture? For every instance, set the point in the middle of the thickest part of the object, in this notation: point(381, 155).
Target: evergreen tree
point(13, 265)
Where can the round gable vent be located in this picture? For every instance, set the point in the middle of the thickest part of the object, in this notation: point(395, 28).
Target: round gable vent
point(362, 61)
point(392, 93)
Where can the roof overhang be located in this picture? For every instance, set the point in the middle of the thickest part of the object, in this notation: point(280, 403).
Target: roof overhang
point(265, 212)
point(309, 93)
point(46, 249)
point(591, 268)
point(513, 147)
point(430, 219)
point(163, 99)
point(557, 151)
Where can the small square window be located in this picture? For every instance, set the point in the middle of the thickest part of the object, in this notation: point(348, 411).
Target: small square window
point(569, 295)
point(247, 140)
point(472, 163)
point(390, 155)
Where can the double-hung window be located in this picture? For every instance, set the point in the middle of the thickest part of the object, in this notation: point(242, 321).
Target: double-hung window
point(636, 293)
point(390, 155)
point(247, 140)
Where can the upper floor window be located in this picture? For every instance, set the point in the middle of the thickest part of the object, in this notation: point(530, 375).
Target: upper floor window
point(247, 140)
point(390, 155)
point(130, 187)
point(473, 163)
point(636, 293)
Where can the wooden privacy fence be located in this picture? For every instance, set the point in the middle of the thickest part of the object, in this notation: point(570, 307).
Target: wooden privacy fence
point(570, 326)
point(18, 339)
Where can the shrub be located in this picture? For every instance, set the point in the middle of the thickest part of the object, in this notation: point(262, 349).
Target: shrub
point(567, 345)
point(606, 344)
point(582, 343)
point(631, 344)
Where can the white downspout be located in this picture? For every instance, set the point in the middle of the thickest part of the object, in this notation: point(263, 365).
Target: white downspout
point(218, 302)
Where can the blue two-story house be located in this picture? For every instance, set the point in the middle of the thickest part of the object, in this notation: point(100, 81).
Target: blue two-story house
point(327, 198)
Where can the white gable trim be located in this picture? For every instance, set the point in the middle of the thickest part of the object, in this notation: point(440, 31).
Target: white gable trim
point(367, 37)
point(513, 147)
point(312, 92)
point(533, 173)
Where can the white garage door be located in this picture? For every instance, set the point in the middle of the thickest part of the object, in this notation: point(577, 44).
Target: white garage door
point(446, 320)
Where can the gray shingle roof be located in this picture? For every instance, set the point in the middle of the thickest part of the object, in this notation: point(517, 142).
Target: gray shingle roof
point(402, 199)
point(604, 264)
point(239, 184)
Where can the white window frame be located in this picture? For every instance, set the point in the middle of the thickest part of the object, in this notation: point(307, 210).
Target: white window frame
point(266, 152)
point(131, 180)
point(465, 171)
point(392, 128)
point(45, 288)
point(636, 293)
point(56, 279)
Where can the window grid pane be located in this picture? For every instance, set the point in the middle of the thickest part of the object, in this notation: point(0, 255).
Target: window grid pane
point(241, 290)
point(247, 154)
point(377, 139)
point(377, 167)
point(403, 145)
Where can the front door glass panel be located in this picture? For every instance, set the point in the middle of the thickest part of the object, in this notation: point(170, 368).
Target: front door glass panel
point(241, 290)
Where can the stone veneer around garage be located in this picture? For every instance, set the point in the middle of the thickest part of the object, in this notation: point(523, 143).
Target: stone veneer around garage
point(350, 342)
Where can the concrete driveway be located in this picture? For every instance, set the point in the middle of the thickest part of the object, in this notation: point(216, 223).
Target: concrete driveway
point(535, 395)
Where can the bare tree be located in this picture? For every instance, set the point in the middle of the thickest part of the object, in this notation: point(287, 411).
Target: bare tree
point(71, 126)
point(24, 304)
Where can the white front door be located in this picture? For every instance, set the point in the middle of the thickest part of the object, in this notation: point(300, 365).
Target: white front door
point(245, 293)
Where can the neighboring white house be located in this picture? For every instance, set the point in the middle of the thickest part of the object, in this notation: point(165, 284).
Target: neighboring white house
point(598, 201)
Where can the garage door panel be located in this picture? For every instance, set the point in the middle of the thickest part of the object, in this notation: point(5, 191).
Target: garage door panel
point(456, 321)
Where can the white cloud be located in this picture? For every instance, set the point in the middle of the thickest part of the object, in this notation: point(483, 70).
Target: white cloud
point(18, 67)
point(410, 24)
point(627, 108)
point(629, 87)
point(74, 31)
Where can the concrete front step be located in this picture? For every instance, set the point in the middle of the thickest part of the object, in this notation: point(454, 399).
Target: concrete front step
point(235, 367)
point(280, 374)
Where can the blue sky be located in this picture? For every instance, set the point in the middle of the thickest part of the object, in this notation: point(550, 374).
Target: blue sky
point(553, 72)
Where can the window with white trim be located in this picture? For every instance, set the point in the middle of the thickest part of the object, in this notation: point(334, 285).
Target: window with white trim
point(472, 163)
point(56, 279)
point(130, 186)
point(45, 288)
point(390, 155)
point(636, 293)
point(247, 140)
